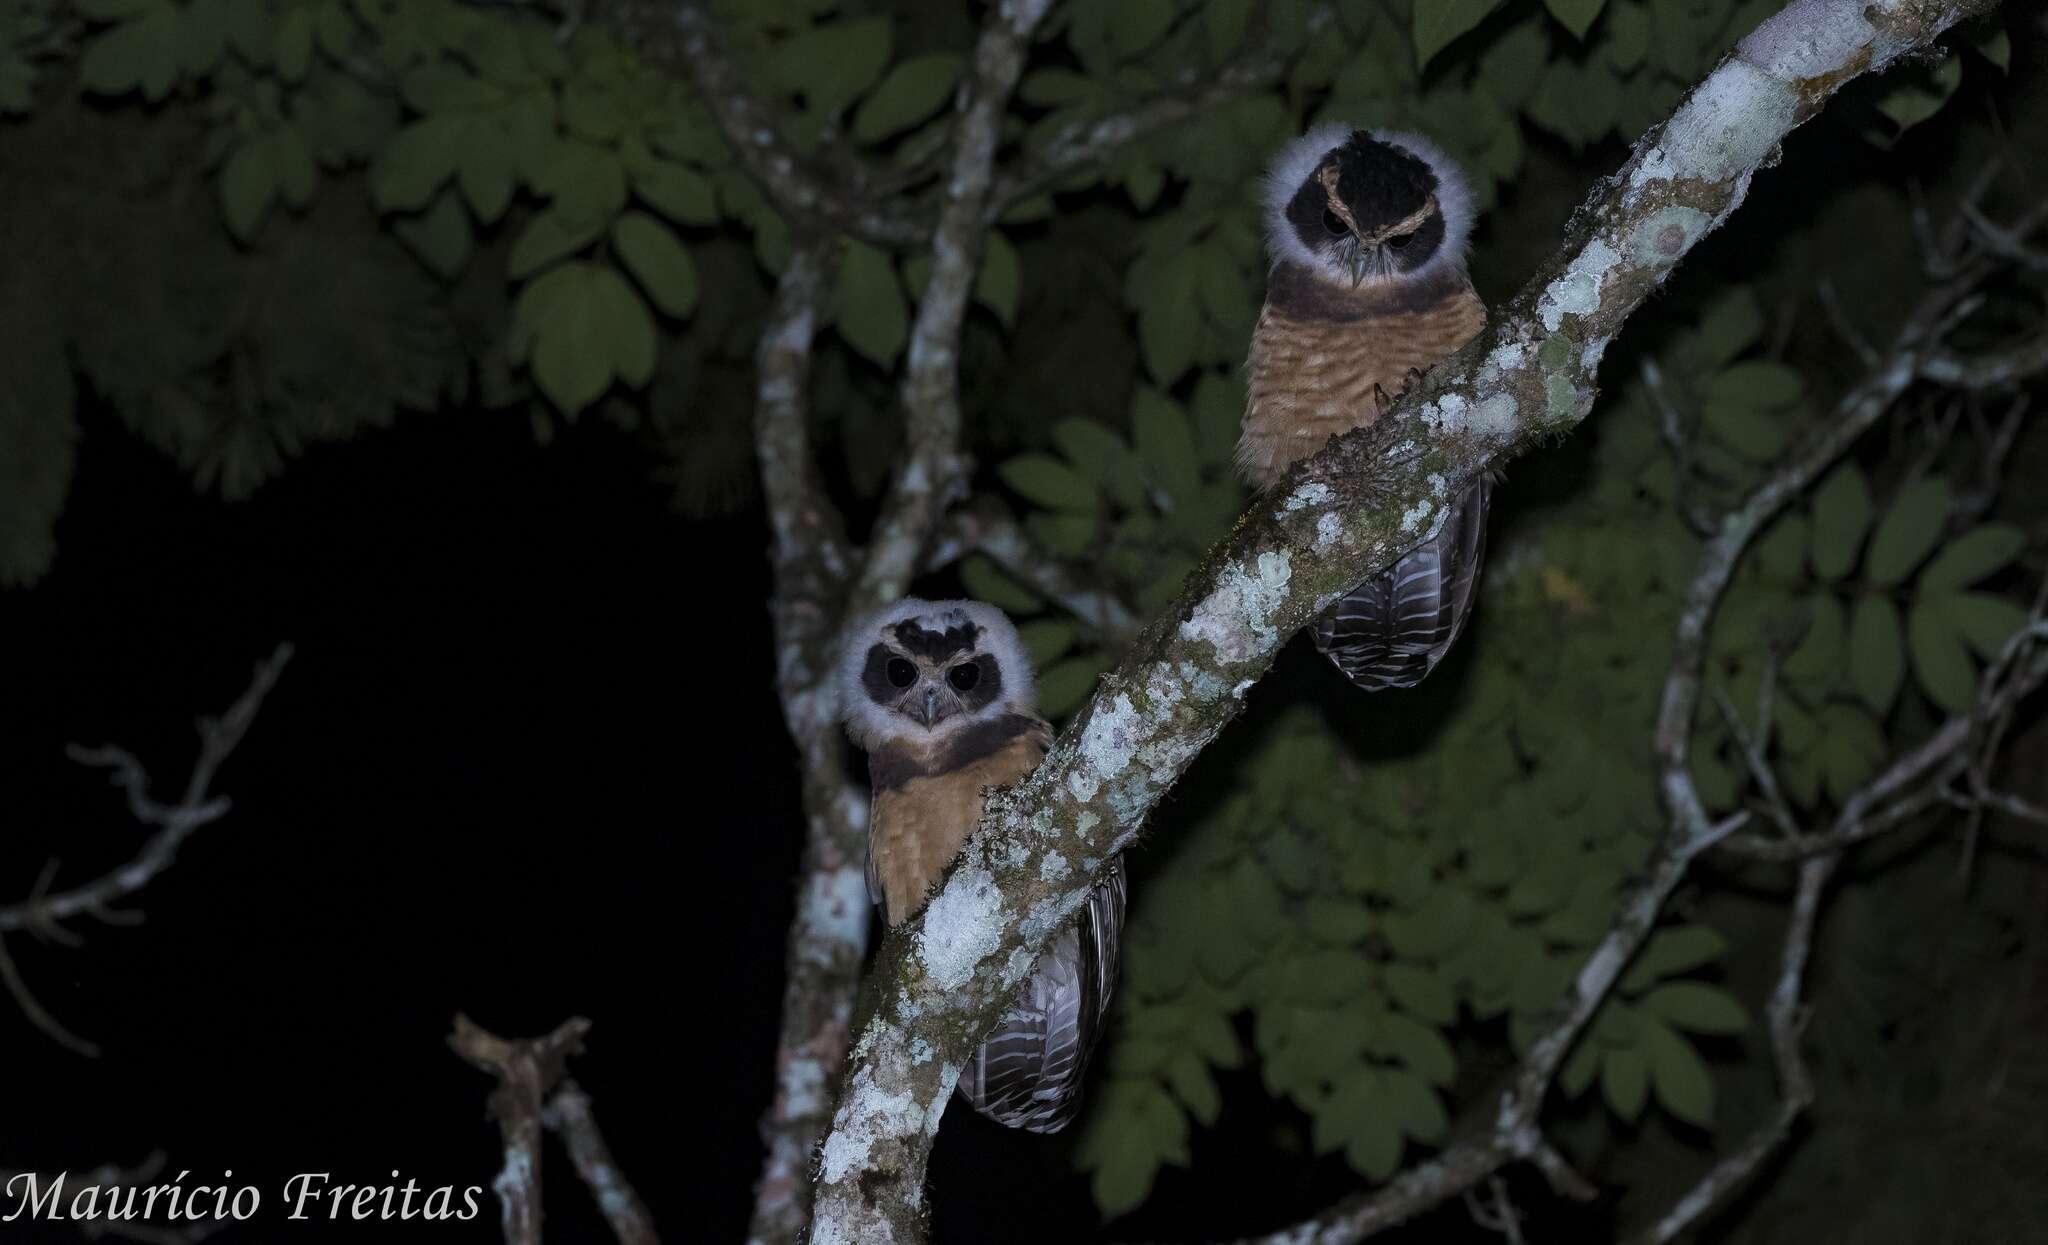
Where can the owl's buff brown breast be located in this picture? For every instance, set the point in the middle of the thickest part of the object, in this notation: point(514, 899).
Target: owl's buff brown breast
point(1320, 352)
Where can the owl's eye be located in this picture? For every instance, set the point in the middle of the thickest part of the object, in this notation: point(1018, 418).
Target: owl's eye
point(1400, 241)
point(963, 677)
point(901, 673)
point(1335, 226)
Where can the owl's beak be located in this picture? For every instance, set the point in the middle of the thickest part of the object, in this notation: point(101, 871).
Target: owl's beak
point(1356, 260)
point(931, 709)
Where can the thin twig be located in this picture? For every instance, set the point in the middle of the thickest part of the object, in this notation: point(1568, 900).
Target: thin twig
point(569, 1116)
point(526, 1071)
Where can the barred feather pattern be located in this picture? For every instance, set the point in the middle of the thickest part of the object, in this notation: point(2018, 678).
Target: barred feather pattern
point(1393, 628)
point(1027, 1072)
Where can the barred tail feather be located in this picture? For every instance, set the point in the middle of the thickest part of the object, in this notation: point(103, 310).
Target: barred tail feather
point(1393, 628)
point(1027, 1072)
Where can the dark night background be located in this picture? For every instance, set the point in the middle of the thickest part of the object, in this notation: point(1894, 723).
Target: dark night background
point(495, 778)
point(527, 762)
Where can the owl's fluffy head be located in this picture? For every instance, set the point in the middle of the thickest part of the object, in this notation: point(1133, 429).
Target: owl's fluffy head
point(924, 669)
point(1366, 206)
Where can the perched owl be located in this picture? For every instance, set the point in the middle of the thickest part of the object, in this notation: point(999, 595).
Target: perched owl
point(1367, 291)
point(940, 695)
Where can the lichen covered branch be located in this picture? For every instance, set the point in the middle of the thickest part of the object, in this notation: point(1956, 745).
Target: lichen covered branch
point(829, 935)
point(1339, 516)
point(933, 470)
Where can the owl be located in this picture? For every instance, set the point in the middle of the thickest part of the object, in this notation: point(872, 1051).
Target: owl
point(939, 693)
point(1366, 292)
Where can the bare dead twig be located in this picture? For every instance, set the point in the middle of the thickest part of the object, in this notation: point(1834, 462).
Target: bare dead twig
point(527, 1070)
point(43, 911)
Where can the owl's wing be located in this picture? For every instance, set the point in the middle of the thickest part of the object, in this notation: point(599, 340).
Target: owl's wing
point(1391, 630)
point(1027, 1072)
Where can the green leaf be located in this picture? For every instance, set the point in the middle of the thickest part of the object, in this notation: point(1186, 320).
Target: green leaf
point(1696, 1007)
point(1413, 1105)
point(1939, 657)
point(1046, 640)
point(1062, 688)
point(1986, 621)
point(1909, 531)
point(1625, 1082)
point(585, 183)
point(486, 170)
point(547, 237)
point(113, 10)
point(658, 262)
point(1995, 45)
point(248, 186)
point(1064, 535)
point(295, 44)
point(1678, 1075)
point(1818, 659)
point(202, 38)
point(1100, 454)
point(1851, 745)
point(1841, 518)
point(1223, 22)
point(1921, 93)
point(416, 161)
point(440, 236)
point(1048, 481)
point(1756, 434)
point(1441, 21)
point(1576, 15)
point(1972, 556)
point(681, 194)
point(1165, 443)
point(912, 91)
point(1628, 40)
point(995, 286)
point(868, 306)
point(17, 87)
point(1673, 951)
point(556, 328)
point(830, 65)
point(1733, 321)
point(1757, 384)
point(1417, 1045)
point(1191, 1083)
point(985, 581)
point(1169, 318)
point(1122, 1181)
point(1421, 992)
point(1877, 652)
point(141, 54)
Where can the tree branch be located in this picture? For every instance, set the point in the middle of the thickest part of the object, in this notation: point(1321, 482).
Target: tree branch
point(43, 912)
point(829, 935)
point(1795, 1084)
point(569, 1116)
point(1338, 517)
point(811, 200)
point(933, 470)
point(526, 1070)
point(1193, 92)
point(1002, 539)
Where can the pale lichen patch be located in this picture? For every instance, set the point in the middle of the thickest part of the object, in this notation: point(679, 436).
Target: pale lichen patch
point(1577, 292)
point(1237, 617)
point(961, 927)
point(1328, 529)
point(1313, 493)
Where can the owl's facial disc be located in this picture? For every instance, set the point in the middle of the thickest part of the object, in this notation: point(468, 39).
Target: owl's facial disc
point(931, 671)
point(1369, 210)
